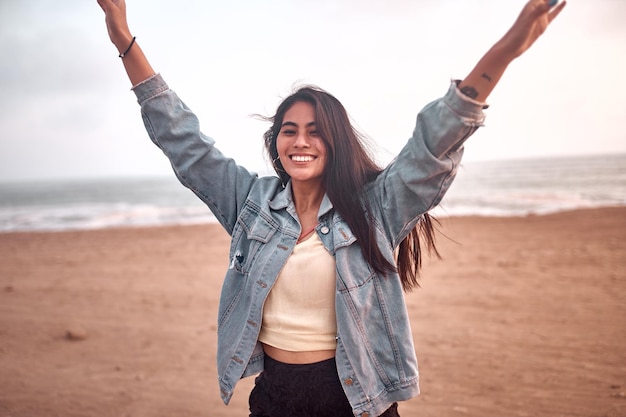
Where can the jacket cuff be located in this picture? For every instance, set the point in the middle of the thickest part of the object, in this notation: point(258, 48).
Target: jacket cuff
point(149, 88)
point(464, 106)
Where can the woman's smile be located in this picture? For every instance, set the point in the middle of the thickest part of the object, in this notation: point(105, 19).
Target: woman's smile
point(302, 158)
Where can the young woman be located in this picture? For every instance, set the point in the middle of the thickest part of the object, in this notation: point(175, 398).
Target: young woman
point(313, 297)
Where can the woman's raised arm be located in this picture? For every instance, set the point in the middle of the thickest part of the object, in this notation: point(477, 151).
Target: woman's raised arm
point(531, 23)
point(135, 62)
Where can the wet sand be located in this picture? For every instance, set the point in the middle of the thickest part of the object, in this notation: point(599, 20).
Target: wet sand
point(524, 316)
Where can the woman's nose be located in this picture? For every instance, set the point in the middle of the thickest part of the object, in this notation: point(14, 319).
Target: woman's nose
point(302, 140)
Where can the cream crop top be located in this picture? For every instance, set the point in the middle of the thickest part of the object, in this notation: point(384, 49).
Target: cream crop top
point(299, 313)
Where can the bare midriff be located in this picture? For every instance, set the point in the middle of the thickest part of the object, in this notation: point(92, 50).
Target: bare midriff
point(297, 358)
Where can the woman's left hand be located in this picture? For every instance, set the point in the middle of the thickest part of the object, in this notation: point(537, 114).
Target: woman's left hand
point(530, 24)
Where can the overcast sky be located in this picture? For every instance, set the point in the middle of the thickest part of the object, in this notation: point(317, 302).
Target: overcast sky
point(68, 112)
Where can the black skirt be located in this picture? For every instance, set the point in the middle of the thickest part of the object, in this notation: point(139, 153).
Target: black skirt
point(310, 390)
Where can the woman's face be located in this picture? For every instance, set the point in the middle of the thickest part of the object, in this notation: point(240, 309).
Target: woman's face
point(301, 150)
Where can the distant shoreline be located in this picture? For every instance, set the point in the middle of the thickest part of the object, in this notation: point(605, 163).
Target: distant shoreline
point(591, 211)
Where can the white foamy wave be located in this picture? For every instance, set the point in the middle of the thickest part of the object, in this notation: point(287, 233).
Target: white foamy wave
point(98, 216)
point(521, 203)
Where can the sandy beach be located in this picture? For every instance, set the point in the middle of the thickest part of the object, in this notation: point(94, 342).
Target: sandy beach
point(524, 316)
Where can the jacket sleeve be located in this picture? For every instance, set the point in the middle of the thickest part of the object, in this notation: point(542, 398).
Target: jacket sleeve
point(198, 164)
point(416, 181)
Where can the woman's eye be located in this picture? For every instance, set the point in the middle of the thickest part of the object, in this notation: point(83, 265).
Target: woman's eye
point(314, 133)
point(289, 132)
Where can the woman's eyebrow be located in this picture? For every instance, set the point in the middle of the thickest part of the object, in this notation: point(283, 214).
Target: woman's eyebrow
point(296, 125)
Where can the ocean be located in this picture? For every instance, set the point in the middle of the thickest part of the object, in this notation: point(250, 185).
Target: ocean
point(494, 188)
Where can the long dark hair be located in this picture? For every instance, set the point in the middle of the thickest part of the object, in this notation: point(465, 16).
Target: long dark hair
point(349, 166)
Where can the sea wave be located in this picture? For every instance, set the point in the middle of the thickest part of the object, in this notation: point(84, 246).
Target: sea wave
point(496, 188)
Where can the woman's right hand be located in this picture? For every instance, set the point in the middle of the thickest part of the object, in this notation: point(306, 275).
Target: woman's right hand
point(117, 25)
point(137, 66)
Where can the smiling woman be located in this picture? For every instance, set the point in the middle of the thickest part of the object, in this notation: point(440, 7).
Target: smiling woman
point(320, 255)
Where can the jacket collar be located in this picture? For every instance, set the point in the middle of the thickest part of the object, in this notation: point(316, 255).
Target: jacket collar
point(284, 200)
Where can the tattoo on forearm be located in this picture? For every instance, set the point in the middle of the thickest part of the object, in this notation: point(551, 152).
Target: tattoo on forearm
point(486, 77)
point(469, 91)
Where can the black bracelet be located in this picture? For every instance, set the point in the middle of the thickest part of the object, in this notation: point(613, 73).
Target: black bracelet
point(123, 54)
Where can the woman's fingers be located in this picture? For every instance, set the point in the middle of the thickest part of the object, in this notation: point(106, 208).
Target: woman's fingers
point(112, 5)
point(115, 18)
point(555, 12)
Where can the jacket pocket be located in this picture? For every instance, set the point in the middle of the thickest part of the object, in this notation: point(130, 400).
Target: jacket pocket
point(353, 271)
point(252, 231)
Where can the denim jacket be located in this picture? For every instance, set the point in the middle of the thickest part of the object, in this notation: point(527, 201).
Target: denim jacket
point(375, 356)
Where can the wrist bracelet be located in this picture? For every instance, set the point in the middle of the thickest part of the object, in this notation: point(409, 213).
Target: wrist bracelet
point(123, 54)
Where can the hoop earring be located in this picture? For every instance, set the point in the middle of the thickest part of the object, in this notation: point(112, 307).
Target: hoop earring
point(279, 170)
point(274, 164)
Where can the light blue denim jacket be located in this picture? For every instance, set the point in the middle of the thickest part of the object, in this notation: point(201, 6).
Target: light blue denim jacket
point(375, 356)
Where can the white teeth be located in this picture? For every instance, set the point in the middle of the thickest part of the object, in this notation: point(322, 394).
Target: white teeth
point(302, 158)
